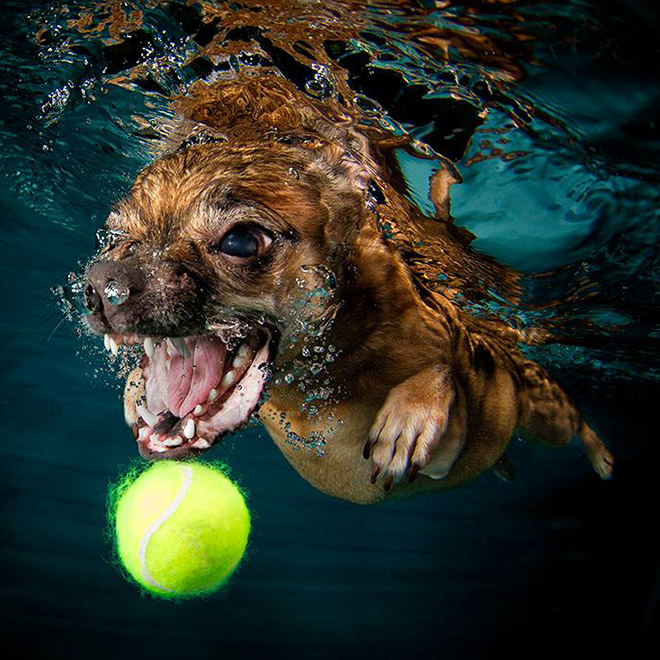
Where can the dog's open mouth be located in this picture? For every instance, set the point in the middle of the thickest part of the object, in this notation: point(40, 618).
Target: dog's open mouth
point(189, 391)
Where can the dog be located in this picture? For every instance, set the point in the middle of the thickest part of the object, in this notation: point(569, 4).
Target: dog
point(271, 268)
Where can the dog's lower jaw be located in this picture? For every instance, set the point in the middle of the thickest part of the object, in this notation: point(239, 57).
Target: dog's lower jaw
point(188, 392)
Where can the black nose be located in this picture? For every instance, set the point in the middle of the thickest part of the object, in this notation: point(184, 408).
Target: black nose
point(92, 299)
point(111, 284)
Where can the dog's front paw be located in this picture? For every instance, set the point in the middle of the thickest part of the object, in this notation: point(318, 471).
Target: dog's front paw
point(407, 431)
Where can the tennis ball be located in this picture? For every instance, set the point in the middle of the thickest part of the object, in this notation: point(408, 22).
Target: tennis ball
point(180, 528)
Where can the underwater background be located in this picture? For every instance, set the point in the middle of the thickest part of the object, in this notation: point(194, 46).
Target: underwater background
point(549, 111)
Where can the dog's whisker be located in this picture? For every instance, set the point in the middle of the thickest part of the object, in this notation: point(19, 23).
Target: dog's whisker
point(56, 328)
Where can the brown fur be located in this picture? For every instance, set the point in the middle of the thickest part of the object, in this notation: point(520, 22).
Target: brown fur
point(417, 389)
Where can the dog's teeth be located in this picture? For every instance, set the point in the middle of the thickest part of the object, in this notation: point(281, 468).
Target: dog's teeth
point(114, 349)
point(149, 347)
point(106, 342)
point(180, 345)
point(198, 410)
point(243, 351)
point(159, 443)
point(189, 429)
point(213, 395)
point(174, 441)
point(229, 378)
point(238, 362)
point(201, 444)
point(147, 416)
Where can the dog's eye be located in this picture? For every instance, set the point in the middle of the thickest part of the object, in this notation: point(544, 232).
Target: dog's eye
point(243, 241)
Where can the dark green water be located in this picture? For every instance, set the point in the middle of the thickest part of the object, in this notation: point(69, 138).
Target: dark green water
point(554, 564)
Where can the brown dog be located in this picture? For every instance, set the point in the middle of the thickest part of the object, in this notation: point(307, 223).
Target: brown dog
point(266, 261)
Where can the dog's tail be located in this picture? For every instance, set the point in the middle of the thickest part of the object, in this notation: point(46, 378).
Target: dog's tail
point(599, 455)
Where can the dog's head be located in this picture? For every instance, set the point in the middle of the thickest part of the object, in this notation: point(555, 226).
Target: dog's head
point(219, 257)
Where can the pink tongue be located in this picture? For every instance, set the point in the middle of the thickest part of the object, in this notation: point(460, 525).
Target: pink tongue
point(188, 380)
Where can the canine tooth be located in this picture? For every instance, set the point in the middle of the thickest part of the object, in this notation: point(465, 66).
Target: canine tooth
point(114, 349)
point(198, 410)
point(213, 395)
point(201, 444)
point(229, 378)
point(147, 416)
point(189, 429)
point(106, 342)
point(149, 347)
point(180, 345)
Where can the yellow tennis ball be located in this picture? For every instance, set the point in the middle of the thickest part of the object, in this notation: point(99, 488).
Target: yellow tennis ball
point(180, 528)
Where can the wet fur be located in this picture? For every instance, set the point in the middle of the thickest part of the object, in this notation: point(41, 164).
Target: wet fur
point(421, 390)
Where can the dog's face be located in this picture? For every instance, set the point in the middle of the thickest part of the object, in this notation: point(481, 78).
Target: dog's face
point(215, 263)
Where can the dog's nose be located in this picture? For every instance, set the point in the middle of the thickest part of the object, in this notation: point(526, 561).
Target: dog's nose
point(110, 284)
point(116, 293)
point(92, 299)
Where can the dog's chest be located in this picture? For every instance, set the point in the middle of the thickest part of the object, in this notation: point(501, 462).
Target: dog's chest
point(325, 450)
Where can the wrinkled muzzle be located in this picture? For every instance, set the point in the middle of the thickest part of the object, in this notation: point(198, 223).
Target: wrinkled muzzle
point(134, 295)
point(198, 378)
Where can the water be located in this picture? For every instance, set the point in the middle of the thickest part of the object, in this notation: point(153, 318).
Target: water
point(549, 114)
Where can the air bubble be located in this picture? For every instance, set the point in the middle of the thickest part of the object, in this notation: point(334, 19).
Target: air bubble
point(115, 293)
point(318, 87)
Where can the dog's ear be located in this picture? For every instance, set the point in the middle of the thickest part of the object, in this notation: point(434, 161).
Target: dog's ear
point(441, 181)
point(356, 171)
point(344, 198)
point(439, 192)
point(349, 159)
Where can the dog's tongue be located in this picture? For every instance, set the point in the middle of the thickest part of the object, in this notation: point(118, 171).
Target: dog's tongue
point(177, 382)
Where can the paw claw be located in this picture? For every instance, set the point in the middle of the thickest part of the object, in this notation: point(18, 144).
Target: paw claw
point(366, 452)
point(408, 429)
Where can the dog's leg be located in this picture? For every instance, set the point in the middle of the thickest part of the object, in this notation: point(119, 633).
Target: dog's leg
point(599, 456)
point(406, 433)
point(548, 416)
